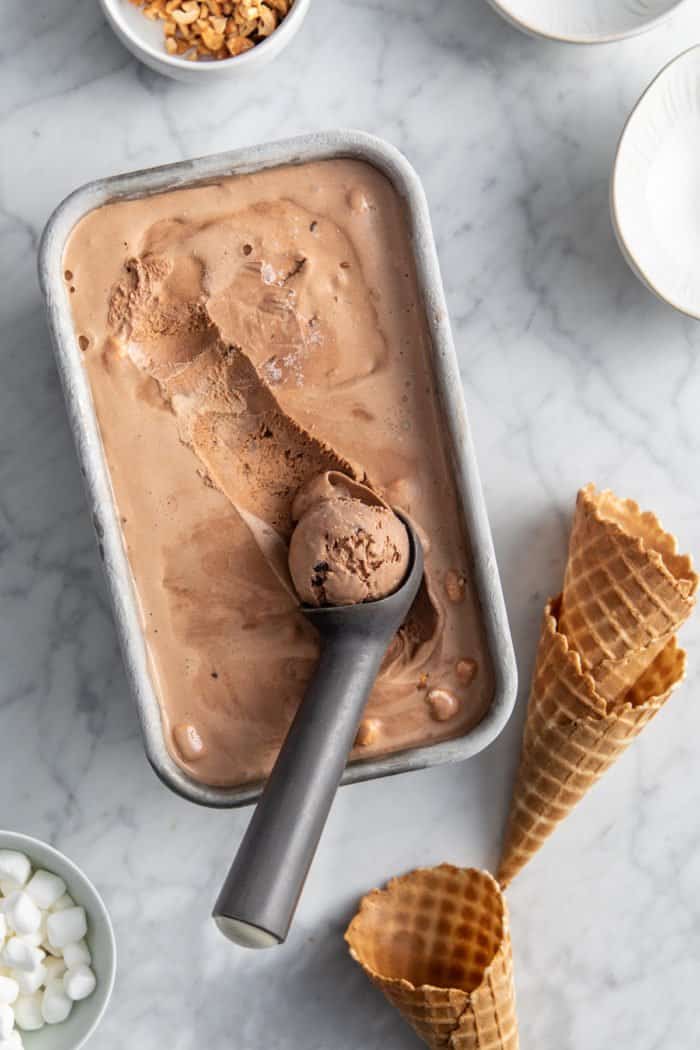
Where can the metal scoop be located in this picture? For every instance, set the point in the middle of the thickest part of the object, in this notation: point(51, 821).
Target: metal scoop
point(258, 900)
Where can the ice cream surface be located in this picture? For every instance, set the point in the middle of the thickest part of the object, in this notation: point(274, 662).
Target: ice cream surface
point(344, 551)
point(245, 341)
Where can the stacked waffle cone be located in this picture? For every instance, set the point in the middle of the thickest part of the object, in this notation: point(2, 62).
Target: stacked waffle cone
point(607, 662)
point(437, 943)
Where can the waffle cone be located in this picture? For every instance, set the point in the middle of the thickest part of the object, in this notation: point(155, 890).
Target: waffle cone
point(627, 590)
point(437, 943)
point(572, 735)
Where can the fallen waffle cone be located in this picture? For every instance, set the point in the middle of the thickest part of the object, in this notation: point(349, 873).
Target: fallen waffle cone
point(627, 590)
point(572, 736)
point(437, 943)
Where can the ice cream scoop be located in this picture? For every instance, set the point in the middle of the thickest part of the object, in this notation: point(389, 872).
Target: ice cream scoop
point(258, 899)
point(344, 551)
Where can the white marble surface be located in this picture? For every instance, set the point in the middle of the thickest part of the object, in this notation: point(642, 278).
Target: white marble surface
point(572, 372)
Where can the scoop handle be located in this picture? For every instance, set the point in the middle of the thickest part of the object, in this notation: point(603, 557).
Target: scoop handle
point(257, 902)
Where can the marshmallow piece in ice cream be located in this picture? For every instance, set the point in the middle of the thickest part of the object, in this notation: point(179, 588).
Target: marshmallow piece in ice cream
point(345, 551)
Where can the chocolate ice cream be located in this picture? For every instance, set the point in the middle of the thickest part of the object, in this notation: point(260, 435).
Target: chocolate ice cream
point(344, 551)
point(242, 338)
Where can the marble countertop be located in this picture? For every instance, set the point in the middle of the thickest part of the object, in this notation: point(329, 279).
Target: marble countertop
point(572, 372)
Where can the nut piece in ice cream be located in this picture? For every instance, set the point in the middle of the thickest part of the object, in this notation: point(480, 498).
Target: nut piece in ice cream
point(344, 551)
point(368, 732)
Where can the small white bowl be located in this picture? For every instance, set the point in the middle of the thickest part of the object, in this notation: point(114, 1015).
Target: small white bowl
point(144, 38)
point(585, 21)
point(655, 187)
point(86, 1015)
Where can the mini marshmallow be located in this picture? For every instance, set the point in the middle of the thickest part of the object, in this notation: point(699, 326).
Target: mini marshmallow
point(45, 888)
point(55, 968)
point(55, 1004)
point(21, 913)
point(32, 939)
point(9, 990)
point(36, 913)
point(31, 982)
point(77, 954)
point(28, 1015)
point(66, 927)
point(66, 901)
point(14, 866)
point(79, 982)
point(7, 1021)
point(21, 956)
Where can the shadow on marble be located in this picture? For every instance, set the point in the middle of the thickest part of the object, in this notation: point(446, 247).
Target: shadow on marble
point(310, 993)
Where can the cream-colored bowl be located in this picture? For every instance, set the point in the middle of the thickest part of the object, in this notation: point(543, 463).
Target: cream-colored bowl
point(87, 1014)
point(655, 188)
point(585, 21)
point(144, 38)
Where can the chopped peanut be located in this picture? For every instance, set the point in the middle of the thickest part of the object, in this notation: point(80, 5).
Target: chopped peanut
point(214, 29)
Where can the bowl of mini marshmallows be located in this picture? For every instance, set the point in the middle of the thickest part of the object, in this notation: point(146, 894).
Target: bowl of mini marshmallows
point(57, 950)
point(205, 40)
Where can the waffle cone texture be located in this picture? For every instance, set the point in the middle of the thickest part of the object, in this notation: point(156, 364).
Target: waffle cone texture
point(437, 943)
point(627, 590)
point(572, 736)
point(607, 662)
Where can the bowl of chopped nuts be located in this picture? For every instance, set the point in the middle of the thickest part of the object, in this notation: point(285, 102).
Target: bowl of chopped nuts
point(200, 40)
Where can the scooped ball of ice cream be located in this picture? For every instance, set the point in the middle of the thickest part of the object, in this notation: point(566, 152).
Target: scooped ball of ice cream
point(344, 551)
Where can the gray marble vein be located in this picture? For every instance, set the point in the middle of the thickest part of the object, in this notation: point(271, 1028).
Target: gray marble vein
point(572, 372)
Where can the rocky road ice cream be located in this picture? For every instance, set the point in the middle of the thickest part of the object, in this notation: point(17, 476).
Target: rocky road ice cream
point(345, 551)
point(242, 339)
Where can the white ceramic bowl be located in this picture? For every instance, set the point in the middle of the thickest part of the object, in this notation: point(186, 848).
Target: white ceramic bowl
point(655, 188)
point(585, 21)
point(86, 1015)
point(144, 38)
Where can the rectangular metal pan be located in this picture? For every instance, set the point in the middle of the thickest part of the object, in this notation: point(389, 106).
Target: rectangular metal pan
point(83, 421)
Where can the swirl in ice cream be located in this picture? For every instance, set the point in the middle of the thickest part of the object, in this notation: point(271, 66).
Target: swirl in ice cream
point(242, 339)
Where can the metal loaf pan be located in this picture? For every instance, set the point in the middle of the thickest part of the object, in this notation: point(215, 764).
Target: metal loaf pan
point(83, 421)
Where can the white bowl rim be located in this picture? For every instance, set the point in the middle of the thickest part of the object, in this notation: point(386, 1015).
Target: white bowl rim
point(19, 841)
point(617, 227)
point(296, 11)
point(604, 38)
